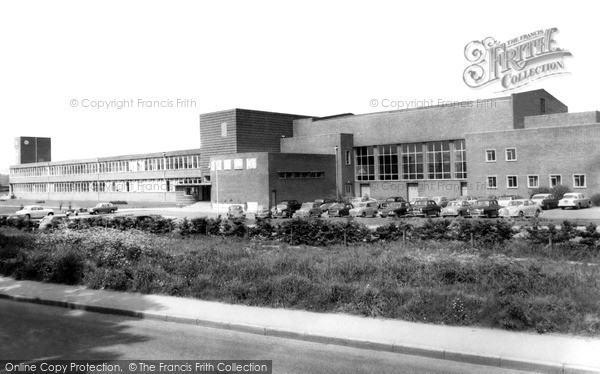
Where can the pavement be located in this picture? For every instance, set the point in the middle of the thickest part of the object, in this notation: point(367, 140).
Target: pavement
point(548, 353)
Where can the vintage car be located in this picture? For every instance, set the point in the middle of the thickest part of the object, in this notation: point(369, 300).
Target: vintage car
point(363, 199)
point(103, 208)
point(263, 212)
point(395, 209)
point(310, 209)
point(34, 211)
point(391, 199)
point(425, 208)
point(339, 210)
point(364, 209)
point(574, 200)
point(6, 197)
point(545, 200)
point(520, 208)
point(485, 208)
point(286, 209)
point(456, 208)
point(505, 199)
point(51, 221)
point(236, 211)
point(442, 201)
point(324, 204)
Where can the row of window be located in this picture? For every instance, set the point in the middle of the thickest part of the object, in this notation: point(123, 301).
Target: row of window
point(533, 181)
point(148, 164)
point(149, 185)
point(510, 154)
point(300, 174)
point(235, 164)
point(431, 160)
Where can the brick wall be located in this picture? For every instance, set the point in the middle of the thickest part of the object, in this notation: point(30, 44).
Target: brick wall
point(529, 104)
point(562, 119)
point(543, 151)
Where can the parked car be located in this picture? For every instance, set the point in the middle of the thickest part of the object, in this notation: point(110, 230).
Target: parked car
point(545, 200)
point(469, 199)
point(34, 211)
point(442, 201)
point(263, 212)
point(286, 209)
point(339, 210)
point(485, 208)
point(391, 199)
point(6, 197)
point(419, 198)
point(395, 209)
point(363, 199)
point(236, 211)
point(521, 208)
point(364, 209)
point(310, 209)
point(425, 208)
point(103, 208)
point(456, 208)
point(574, 200)
point(324, 204)
point(505, 199)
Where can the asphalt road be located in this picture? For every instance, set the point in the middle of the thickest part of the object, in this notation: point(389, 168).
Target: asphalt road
point(34, 332)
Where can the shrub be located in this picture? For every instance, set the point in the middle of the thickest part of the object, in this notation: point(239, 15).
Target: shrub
point(595, 199)
point(559, 190)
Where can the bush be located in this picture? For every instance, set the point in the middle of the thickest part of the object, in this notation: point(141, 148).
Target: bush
point(595, 199)
point(559, 190)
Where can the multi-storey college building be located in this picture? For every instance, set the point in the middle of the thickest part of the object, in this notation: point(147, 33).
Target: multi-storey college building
point(507, 145)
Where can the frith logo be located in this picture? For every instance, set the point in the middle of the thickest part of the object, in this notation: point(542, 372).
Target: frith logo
point(514, 63)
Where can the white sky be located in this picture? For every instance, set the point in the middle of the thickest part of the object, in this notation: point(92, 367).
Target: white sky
point(314, 57)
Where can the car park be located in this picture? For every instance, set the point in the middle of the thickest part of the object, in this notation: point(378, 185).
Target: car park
point(425, 208)
point(34, 211)
point(456, 208)
point(545, 200)
point(339, 210)
point(442, 201)
point(310, 209)
point(236, 211)
point(505, 199)
point(395, 209)
point(364, 209)
point(520, 208)
point(286, 209)
point(485, 208)
point(574, 200)
point(263, 212)
point(103, 208)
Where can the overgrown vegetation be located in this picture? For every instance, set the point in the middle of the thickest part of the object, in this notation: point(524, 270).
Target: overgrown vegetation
point(461, 272)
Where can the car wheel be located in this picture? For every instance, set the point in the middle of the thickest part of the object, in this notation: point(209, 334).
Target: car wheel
point(27, 216)
point(50, 214)
point(521, 214)
point(578, 205)
point(364, 215)
point(537, 213)
point(562, 207)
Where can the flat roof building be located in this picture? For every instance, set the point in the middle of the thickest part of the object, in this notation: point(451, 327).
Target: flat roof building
point(506, 145)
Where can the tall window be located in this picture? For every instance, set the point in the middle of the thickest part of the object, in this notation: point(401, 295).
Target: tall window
point(412, 161)
point(348, 158)
point(511, 154)
point(533, 181)
point(511, 181)
point(460, 160)
point(388, 162)
point(438, 160)
point(492, 181)
point(365, 163)
point(490, 155)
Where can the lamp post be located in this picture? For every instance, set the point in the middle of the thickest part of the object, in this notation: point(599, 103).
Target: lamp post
point(337, 191)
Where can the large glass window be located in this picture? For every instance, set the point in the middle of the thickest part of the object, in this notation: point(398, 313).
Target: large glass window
point(412, 161)
point(388, 162)
point(460, 160)
point(438, 160)
point(365, 163)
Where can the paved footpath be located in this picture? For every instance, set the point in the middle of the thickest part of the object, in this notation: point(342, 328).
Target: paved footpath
point(551, 353)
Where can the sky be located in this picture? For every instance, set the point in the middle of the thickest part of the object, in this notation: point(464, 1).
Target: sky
point(157, 65)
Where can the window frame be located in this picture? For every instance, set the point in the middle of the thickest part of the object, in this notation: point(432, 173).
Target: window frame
point(537, 178)
point(506, 154)
point(487, 182)
point(486, 155)
point(584, 180)
point(516, 181)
